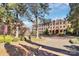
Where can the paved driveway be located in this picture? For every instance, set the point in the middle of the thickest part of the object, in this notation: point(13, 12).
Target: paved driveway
point(56, 41)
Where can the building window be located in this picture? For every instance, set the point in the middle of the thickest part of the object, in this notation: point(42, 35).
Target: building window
point(50, 24)
point(60, 30)
point(53, 22)
point(57, 23)
point(64, 22)
point(60, 26)
point(64, 26)
point(50, 31)
point(60, 22)
point(64, 30)
point(56, 27)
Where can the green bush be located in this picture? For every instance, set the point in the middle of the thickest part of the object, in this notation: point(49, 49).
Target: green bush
point(74, 41)
point(6, 38)
point(1, 39)
point(61, 34)
point(69, 31)
point(71, 41)
point(46, 32)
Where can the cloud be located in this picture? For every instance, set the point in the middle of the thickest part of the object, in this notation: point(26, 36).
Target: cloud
point(59, 10)
point(56, 6)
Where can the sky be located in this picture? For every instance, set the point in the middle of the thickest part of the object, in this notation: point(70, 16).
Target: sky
point(58, 11)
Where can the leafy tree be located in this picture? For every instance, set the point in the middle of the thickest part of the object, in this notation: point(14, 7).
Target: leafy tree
point(33, 11)
point(30, 11)
point(69, 30)
point(74, 17)
point(38, 10)
point(5, 14)
point(46, 32)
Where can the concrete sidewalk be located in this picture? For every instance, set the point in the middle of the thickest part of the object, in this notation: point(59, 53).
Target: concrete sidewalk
point(41, 48)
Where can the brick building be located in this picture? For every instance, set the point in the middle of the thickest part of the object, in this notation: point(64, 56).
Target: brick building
point(54, 27)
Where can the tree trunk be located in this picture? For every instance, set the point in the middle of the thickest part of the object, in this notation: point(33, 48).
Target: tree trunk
point(17, 29)
point(17, 32)
point(37, 32)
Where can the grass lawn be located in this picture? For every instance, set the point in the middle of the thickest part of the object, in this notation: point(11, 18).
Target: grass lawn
point(36, 39)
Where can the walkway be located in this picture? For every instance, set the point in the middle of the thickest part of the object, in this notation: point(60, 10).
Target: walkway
point(58, 42)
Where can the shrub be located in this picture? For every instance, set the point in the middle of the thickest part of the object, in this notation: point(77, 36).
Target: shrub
point(61, 34)
point(74, 41)
point(6, 39)
point(46, 32)
point(69, 31)
point(1, 39)
point(71, 41)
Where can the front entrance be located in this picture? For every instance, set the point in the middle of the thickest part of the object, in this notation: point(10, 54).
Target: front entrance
point(53, 32)
point(56, 32)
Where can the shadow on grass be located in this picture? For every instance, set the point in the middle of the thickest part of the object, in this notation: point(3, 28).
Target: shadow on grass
point(13, 50)
point(37, 52)
point(73, 48)
point(52, 48)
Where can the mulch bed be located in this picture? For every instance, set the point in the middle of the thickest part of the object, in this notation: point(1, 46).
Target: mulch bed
point(14, 50)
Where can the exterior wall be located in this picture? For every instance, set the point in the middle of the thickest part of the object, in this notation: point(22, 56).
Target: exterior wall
point(55, 27)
